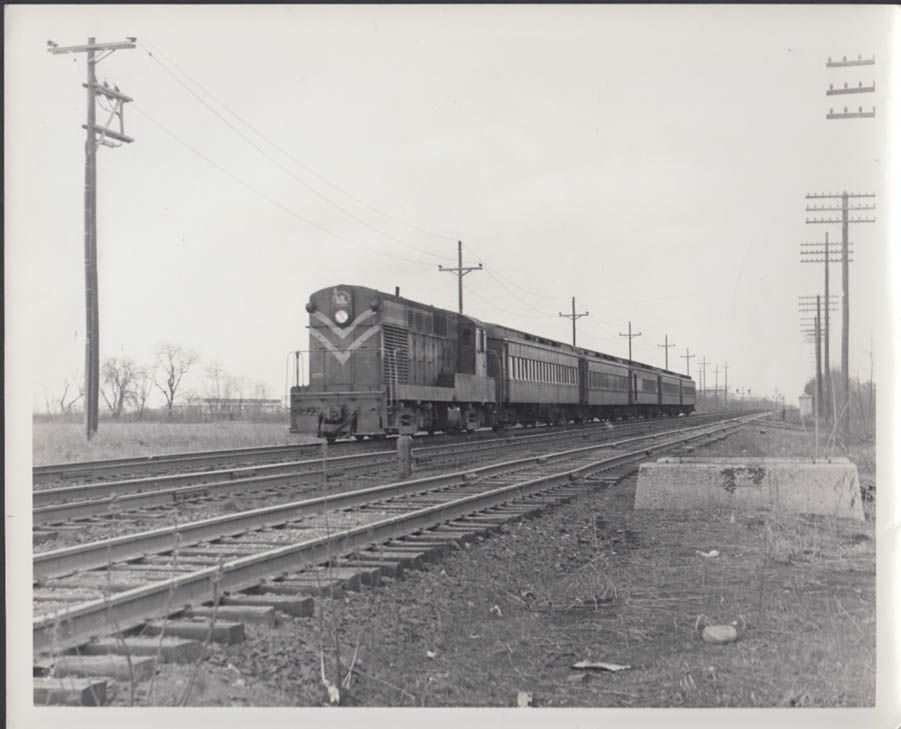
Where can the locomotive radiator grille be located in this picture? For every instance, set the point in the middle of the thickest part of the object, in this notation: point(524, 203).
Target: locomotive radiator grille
point(395, 355)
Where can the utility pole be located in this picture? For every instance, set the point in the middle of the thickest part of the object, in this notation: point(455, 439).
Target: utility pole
point(95, 134)
point(817, 335)
point(703, 364)
point(814, 333)
point(687, 357)
point(845, 89)
point(574, 316)
point(816, 253)
point(808, 305)
point(666, 345)
point(845, 221)
point(725, 383)
point(461, 271)
point(631, 337)
point(716, 384)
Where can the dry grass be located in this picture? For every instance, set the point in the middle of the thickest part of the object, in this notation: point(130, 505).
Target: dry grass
point(65, 442)
point(799, 590)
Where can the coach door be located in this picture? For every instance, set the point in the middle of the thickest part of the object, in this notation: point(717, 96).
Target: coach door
point(583, 381)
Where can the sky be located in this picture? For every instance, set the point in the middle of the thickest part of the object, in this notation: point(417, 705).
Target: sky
point(652, 162)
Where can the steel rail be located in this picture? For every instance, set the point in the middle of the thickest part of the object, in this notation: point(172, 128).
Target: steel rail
point(68, 470)
point(132, 607)
point(160, 461)
point(118, 490)
point(66, 560)
point(43, 497)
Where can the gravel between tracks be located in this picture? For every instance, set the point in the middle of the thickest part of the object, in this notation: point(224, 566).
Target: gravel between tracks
point(591, 580)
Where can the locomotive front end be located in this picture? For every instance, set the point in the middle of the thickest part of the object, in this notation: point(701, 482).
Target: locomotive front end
point(345, 395)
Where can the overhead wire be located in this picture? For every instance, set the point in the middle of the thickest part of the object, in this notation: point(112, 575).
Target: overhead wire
point(506, 278)
point(498, 277)
point(263, 195)
point(514, 295)
point(501, 308)
point(287, 171)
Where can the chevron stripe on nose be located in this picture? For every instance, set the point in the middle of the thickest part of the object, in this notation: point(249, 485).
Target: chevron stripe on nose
point(342, 357)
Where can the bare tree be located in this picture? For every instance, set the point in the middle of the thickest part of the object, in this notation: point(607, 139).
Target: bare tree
point(216, 384)
point(141, 388)
point(117, 376)
point(224, 392)
point(175, 362)
point(67, 400)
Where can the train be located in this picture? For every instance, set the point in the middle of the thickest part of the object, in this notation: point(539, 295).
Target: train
point(380, 364)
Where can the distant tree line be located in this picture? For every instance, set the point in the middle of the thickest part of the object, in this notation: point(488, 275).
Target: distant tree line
point(127, 388)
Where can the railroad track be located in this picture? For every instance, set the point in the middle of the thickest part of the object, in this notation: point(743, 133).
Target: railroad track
point(204, 460)
point(94, 590)
point(99, 503)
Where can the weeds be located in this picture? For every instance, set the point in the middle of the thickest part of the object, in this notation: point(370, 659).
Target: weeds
point(195, 669)
point(60, 442)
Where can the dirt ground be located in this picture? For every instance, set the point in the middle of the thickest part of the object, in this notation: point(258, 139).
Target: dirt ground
point(592, 580)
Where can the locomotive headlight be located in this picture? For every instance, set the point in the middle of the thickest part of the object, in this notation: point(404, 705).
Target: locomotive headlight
point(341, 316)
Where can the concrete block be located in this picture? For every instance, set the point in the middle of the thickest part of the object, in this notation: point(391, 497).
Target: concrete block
point(69, 691)
point(781, 484)
point(117, 667)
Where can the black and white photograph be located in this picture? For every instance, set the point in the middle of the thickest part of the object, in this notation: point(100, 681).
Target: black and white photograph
point(391, 364)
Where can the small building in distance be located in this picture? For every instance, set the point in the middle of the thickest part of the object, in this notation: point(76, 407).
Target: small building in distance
point(246, 408)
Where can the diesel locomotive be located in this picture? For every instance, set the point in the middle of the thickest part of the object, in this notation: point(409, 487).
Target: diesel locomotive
point(382, 364)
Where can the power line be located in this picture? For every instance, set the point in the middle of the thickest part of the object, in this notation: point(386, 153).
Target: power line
point(494, 305)
point(522, 301)
point(265, 196)
point(288, 155)
point(546, 297)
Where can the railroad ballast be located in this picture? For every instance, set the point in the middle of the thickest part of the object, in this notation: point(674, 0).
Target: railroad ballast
point(382, 364)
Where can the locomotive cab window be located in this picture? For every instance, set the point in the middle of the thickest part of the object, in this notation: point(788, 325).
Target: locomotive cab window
point(480, 340)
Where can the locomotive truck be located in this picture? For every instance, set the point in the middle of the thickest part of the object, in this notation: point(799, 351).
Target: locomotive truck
point(382, 364)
